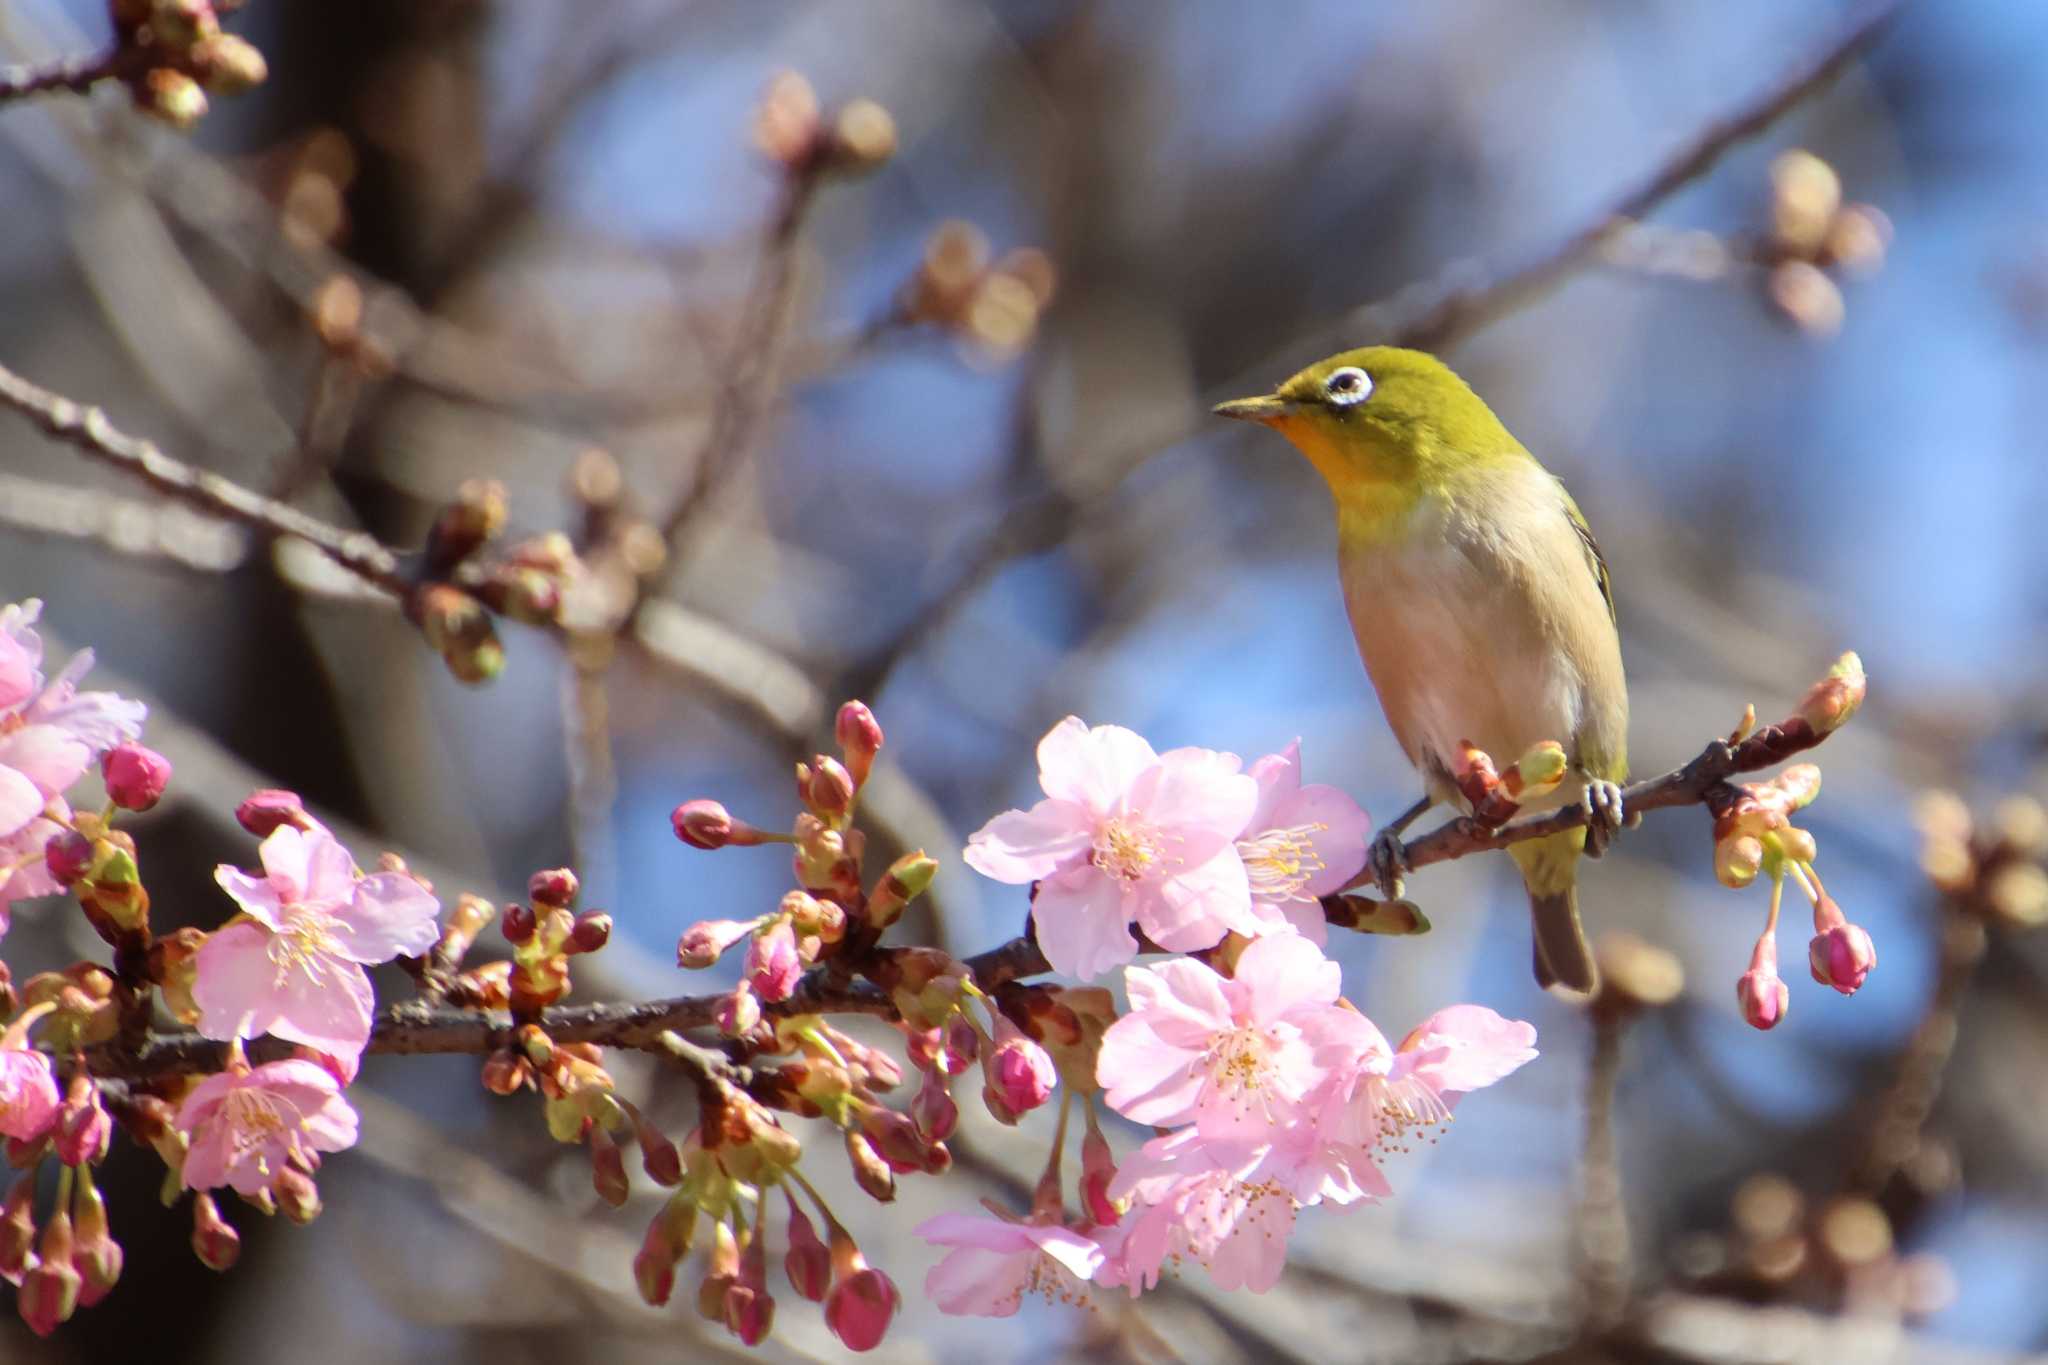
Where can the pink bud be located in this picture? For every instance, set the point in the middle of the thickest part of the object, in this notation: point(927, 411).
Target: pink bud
point(738, 1012)
point(593, 930)
point(96, 1256)
point(83, 1128)
point(704, 942)
point(263, 811)
point(773, 966)
point(518, 924)
point(658, 1156)
point(895, 1138)
point(214, 1241)
point(963, 1044)
point(654, 1265)
point(933, 1110)
point(808, 1263)
point(860, 739)
point(49, 1290)
point(1841, 956)
point(28, 1095)
point(1019, 1073)
point(859, 1308)
point(925, 1047)
point(298, 1198)
point(608, 1168)
point(749, 1309)
point(136, 775)
point(874, 1175)
point(707, 824)
point(826, 787)
point(1760, 991)
point(1098, 1168)
point(556, 888)
point(68, 856)
point(18, 1228)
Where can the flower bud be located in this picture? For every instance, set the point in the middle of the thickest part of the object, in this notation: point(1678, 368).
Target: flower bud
point(608, 1168)
point(95, 1255)
point(518, 924)
point(807, 1263)
point(863, 137)
point(1098, 1168)
point(83, 1128)
point(1805, 194)
point(49, 1289)
point(1760, 991)
point(177, 99)
point(773, 967)
point(654, 1265)
point(1841, 954)
point(933, 1109)
point(706, 824)
point(907, 879)
point(478, 513)
point(870, 1171)
point(787, 121)
point(593, 929)
point(1830, 703)
point(1537, 772)
point(505, 1071)
point(738, 1012)
point(1019, 1073)
point(227, 64)
point(1857, 239)
point(658, 1156)
point(554, 889)
point(1738, 860)
point(263, 811)
point(68, 856)
point(18, 1227)
point(1806, 297)
point(298, 1198)
point(826, 788)
point(749, 1308)
point(860, 739)
point(704, 942)
point(135, 775)
point(962, 1043)
point(861, 1303)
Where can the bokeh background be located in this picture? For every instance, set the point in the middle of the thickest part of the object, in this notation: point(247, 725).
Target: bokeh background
point(558, 225)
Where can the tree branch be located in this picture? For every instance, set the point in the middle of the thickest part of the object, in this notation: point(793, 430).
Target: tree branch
point(87, 429)
point(77, 74)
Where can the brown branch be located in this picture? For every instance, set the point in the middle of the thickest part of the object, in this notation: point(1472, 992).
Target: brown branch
point(87, 429)
point(76, 74)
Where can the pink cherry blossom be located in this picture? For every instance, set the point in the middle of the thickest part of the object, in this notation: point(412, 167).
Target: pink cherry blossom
point(1239, 1055)
point(247, 1127)
point(28, 1093)
point(1394, 1093)
point(1125, 834)
point(995, 1262)
point(292, 965)
point(1207, 1201)
point(773, 967)
point(50, 733)
point(1301, 843)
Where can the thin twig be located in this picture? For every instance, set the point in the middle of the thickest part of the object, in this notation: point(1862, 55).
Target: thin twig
point(76, 74)
point(87, 429)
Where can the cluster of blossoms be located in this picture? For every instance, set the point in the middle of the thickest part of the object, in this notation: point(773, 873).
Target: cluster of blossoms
point(1267, 1090)
point(1754, 835)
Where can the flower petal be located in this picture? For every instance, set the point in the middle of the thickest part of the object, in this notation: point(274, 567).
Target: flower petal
point(232, 981)
point(390, 914)
point(1199, 796)
point(288, 861)
point(47, 756)
point(1083, 924)
point(977, 1282)
point(20, 801)
point(1198, 907)
point(1091, 768)
point(1284, 972)
point(1473, 1047)
point(1021, 846)
point(1340, 841)
point(256, 895)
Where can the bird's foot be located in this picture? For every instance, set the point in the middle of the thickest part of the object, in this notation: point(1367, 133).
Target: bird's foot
point(1387, 862)
point(1603, 798)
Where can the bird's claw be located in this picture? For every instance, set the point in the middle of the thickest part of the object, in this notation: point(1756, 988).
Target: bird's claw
point(1603, 799)
point(1388, 862)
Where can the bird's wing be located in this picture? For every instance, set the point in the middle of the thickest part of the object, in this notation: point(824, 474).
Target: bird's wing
point(1595, 561)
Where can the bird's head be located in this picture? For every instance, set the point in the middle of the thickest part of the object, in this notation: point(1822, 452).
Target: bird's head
point(1380, 416)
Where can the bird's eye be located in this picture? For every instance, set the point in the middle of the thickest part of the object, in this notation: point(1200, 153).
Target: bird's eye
point(1347, 386)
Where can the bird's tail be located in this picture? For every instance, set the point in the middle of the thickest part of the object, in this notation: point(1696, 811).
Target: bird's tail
point(1550, 871)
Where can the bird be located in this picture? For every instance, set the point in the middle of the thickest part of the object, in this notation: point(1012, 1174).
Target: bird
point(1482, 606)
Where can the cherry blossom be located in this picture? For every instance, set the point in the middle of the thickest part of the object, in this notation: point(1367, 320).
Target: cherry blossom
point(1237, 1055)
point(292, 963)
point(246, 1127)
point(996, 1261)
point(1394, 1093)
point(1125, 834)
point(1302, 842)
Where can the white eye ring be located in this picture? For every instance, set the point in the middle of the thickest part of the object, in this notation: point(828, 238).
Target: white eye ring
point(1347, 386)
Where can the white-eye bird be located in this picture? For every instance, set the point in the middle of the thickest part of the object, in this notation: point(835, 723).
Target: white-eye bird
point(1482, 607)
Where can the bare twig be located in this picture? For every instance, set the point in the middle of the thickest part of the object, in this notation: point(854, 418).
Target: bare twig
point(76, 74)
point(87, 429)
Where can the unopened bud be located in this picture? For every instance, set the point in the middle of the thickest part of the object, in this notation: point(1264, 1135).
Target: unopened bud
point(707, 824)
point(786, 123)
point(608, 1168)
point(870, 1171)
point(1806, 297)
point(807, 1263)
point(1857, 239)
point(1831, 702)
point(518, 924)
point(263, 811)
point(1760, 991)
point(826, 788)
point(1098, 1169)
point(556, 888)
point(933, 1109)
point(1805, 194)
point(654, 1265)
point(95, 1255)
point(68, 856)
point(505, 1071)
point(298, 1198)
point(2018, 894)
point(1738, 860)
point(1537, 772)
point(773, 966)
point(177, 99)
point(83, 1128)
point(136, 775)
point(478, 513)
point(226, 64)
point(1841, 954)
point(738, 1012)
point(49, 1289)
point(18, 1227)
point(592, 931)
point(704, 942)
point(860, 739)
point(863, 137)
point(909, 877)
point(1019, 1073)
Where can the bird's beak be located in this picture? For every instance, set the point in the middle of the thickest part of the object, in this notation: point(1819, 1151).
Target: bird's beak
point(1266, 409)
